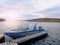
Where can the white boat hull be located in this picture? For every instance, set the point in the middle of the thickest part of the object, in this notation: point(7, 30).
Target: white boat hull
point(29, 37)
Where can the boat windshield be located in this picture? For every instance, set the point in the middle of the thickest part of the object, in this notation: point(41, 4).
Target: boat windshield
point(30, 27)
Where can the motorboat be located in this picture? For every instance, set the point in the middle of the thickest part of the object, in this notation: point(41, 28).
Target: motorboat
point(32, 33)
point(19, 34)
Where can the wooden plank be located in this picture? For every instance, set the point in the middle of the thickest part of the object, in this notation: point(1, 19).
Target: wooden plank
point(8, 43)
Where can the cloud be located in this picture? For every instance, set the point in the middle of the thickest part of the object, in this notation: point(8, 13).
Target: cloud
point(52, 12)
point(28, 16)
point(29, 8)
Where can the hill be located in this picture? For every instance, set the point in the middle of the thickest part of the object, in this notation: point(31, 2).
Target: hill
point(45, 20)
point(1, 19)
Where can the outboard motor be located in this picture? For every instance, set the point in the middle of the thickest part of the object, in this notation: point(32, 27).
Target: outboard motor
point(41, 29)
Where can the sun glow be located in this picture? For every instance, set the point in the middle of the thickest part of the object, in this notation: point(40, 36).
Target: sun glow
point(10, 24)
point(10, 15)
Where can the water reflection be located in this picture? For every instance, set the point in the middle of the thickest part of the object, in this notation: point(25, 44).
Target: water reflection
point(53, 30)
point(8, 25)
point(14, 25)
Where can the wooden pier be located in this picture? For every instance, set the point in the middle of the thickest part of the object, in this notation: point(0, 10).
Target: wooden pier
point(8, 43)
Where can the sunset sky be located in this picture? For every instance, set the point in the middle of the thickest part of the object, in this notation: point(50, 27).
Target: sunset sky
point(28, 9)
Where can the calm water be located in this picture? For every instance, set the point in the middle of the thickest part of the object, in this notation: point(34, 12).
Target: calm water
point(53, 30)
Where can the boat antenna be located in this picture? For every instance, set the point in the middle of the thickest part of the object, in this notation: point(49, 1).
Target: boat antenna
point(35, 26)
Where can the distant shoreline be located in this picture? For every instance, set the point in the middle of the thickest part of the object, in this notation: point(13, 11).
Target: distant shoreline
point(1, 19)
point(45, 20)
